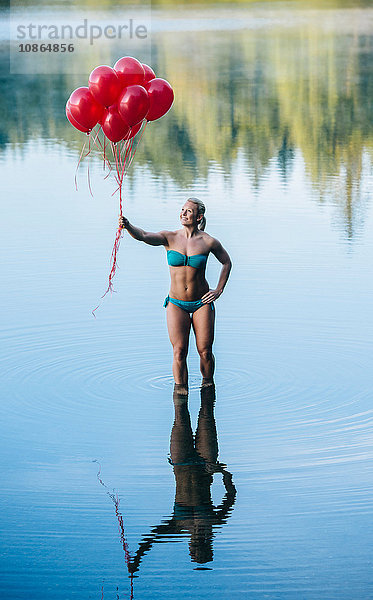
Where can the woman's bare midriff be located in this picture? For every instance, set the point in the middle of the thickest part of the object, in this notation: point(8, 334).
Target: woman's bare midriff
point(187, 283)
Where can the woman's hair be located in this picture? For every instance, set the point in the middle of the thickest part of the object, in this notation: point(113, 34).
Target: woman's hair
point(201, 211)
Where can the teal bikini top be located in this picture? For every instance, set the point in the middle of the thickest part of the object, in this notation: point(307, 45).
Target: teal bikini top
point(176, 259)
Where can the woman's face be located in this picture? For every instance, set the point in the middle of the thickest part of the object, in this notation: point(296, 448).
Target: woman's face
point(188, 213)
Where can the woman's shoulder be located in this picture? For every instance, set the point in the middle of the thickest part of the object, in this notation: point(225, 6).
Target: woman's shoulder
point(170, 237)
point(209, 240)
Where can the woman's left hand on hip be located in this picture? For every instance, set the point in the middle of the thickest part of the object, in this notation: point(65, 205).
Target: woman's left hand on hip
point(211, 296)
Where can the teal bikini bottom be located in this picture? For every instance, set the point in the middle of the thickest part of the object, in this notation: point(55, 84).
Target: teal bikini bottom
point(189, 307)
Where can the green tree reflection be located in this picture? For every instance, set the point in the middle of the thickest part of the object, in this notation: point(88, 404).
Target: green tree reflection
point(268, 93)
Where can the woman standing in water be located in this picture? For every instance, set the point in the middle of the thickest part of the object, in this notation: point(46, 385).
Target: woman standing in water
point(190, 300)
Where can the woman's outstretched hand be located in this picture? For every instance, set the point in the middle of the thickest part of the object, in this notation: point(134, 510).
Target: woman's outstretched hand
point(210, 296)
point(123, 222)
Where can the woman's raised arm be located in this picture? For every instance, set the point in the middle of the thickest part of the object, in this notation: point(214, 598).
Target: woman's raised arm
point(154, 239)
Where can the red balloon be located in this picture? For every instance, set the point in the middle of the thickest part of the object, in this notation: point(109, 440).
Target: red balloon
point(161, 97)
point(104, 85)
point(103, 116)
point(113, 126)
point(73, 121)
point(133, 104)
point(149, 73)
point(135, 129)
point(84, 108)
point(129, 70)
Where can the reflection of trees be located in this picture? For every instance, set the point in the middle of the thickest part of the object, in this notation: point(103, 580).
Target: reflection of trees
point(267, 92)
point(270, 93)
point(33, 107)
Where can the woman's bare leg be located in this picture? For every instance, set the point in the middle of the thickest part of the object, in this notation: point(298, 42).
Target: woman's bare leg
point(178, 324)
point(203, 325)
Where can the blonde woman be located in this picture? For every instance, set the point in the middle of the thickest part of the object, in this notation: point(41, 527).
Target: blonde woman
point(190, 301)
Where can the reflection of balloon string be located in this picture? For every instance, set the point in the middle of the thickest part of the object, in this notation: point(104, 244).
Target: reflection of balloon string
point(115, 500)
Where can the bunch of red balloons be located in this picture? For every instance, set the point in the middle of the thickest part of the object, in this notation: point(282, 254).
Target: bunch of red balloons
point(119, 99)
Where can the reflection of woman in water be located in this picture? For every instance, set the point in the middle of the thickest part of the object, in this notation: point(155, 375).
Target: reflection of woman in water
point(190, 301)
point(194, 463)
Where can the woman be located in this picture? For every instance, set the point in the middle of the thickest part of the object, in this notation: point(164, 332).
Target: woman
point(190, 301)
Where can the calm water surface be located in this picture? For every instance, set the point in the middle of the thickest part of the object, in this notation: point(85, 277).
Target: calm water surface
point(272, 128)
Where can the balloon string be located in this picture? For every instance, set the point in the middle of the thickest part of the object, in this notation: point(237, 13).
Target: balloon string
point(96, 132)
point(115, 154)
point(117, 163)
point(118, 236)
point(124, 171)
point(123, 154)
point(137, 145)
point(89, 181)
point(129, 154)
point(102, 150)
point(77, 166)
point(91, 142)
point(122, 165)
point(114, 253)
point(117, 159)
point(89, 151)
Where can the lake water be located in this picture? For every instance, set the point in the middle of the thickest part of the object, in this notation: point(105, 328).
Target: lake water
point(272, 127)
